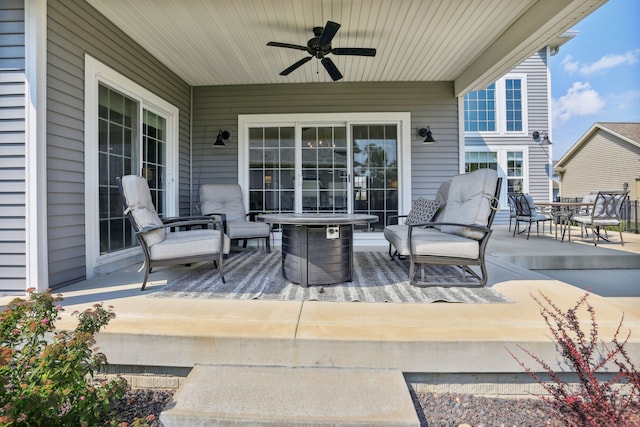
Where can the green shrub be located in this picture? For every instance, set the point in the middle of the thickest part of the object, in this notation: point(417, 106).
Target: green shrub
point(46, 376)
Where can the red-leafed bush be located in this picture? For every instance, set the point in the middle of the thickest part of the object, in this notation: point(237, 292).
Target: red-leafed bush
point(589, 402)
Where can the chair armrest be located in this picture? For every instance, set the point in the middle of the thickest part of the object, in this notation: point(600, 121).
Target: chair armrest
point(223, 219)
point(474, 227)
point(187, 223)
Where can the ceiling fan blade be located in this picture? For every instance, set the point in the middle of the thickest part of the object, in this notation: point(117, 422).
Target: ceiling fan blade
point(357, 51)
point(331, 69)
point(287, 45)
point(329, 31)
point(296, 65)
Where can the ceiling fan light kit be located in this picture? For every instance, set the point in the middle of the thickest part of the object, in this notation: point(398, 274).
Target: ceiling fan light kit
point(319, 47)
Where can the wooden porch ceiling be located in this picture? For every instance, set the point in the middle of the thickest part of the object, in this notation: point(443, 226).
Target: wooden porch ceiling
point(224, 42)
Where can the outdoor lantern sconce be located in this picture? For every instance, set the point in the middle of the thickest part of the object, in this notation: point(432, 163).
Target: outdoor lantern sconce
point(545, 137)
point(427, 135)
point(223, 135)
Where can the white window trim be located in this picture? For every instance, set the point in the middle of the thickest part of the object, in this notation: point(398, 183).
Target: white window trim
point(501, 151)
point(401, 119)
point(96, 73)
point(501, 109)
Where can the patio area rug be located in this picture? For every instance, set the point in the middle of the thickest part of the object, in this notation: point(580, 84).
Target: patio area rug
point(257, 275)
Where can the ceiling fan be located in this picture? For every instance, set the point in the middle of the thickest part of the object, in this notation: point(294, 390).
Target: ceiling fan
point(320, 46)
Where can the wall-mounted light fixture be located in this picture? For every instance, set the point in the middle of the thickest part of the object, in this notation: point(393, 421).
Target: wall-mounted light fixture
point(545, 137)
point(223, 135)
point(427, 135)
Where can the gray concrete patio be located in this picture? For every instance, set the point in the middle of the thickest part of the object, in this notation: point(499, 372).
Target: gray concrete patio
point(156, 341)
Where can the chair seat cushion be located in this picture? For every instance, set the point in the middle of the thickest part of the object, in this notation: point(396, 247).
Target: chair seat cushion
point(586, 219)
point(533, 218)
point(398, 236)
point(191, 243)
point(247, 229)
point(436, 243)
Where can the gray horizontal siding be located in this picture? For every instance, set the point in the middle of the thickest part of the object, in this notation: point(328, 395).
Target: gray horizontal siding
point(430, 104)
point(538, 86)
point(76, 28)
point(12, 147)
point(604, 162)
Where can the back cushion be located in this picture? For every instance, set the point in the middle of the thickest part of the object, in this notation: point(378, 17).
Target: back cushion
point(441, 196)
point(138, 198)
point(149, 218)
point(222, 198)
point(469, 201)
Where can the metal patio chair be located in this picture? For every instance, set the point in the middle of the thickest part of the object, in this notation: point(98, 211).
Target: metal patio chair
point(605, 212)
point(170, 241)
point(225, 202)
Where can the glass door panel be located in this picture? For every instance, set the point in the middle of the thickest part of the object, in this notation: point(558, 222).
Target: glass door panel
point(325, 174)
point(271, 169)
point(120, 153)
point(375, 172)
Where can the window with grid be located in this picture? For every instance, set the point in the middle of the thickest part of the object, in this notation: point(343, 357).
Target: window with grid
point(513, 98)
point(475, 160)
point(515, 172)
point(480, 110)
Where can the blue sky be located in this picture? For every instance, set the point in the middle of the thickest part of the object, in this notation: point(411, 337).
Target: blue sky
point(595, 77)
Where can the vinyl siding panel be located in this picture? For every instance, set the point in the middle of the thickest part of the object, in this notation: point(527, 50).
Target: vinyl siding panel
point(604, 162)
point(12, 147)
point(433, 104)
point(539, 155)
point(76, 28)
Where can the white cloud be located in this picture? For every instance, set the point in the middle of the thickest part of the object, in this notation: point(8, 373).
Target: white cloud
point(604, 63)
point(569, 64)
point(581, 100)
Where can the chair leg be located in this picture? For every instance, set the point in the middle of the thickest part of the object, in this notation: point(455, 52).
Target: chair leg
point(220, 266)
point(620, 231)
point(267, 244)
point(146, 277)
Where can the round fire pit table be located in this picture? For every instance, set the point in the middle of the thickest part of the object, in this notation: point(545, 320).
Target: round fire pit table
point(317, 248)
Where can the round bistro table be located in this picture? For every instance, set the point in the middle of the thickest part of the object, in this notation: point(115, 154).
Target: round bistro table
point(317, 248)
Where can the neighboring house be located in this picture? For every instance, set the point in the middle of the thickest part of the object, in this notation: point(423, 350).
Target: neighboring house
point(607, 157)
point(94, 89)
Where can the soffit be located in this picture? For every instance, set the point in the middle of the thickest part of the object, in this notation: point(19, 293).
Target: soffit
point(224, 42)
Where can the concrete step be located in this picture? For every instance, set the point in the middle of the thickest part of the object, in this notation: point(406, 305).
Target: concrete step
point(215, 395)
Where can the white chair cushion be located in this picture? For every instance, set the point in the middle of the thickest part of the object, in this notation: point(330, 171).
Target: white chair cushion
point(441, 196)
point(469, 201)
point(436, 243)
point(398, 236)
point(148, 218)
point(136, 192)
point(222, 198)
point(247, 229)
point(189, 243)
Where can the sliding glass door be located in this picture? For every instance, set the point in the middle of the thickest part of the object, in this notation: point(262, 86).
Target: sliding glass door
point(324, 168)
point(120, 153)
